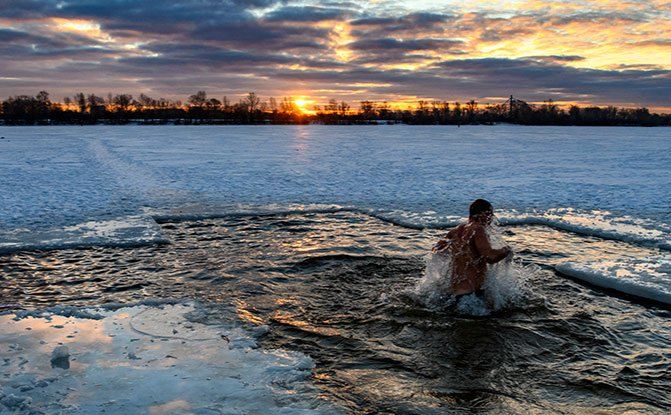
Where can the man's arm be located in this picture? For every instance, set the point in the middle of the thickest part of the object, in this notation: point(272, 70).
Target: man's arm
point(485, 249)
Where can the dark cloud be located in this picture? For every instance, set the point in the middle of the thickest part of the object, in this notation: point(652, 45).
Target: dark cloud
point(556, 58)
point(181, 55)
point(598, 16)
point(12, 9)
point(391, 50)
point(408, 25)
point(156, 16)
point(385, 44)
point(255, 34)
point(274, 46)
point(496, 35)
point(405, 22)
point(22, 45)
point(653, 42)
point(307, 14)
point(537, 80)
point(11, 35)
point(395, 57)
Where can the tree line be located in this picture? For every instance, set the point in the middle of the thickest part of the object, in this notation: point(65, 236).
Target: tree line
point(200, 108)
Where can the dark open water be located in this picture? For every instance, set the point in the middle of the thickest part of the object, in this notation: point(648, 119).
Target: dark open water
point(333, 286)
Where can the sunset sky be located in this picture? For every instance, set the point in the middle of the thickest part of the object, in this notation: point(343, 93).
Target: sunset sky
point(600, 52)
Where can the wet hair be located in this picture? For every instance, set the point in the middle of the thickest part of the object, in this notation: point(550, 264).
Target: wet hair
point(479, 206)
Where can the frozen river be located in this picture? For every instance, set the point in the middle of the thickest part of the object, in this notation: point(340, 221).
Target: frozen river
point(107, 185)
point(54, 176)
point(299, 245)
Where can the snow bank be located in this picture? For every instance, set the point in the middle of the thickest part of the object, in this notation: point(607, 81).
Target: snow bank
point(147, 360)
point(646, 278)
point(91, 313)
point(141, 230)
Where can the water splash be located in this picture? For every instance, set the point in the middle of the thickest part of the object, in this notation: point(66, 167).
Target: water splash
point(433, 289)
point(506, 284)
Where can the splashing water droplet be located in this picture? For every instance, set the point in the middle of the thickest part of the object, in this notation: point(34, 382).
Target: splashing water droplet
point(506, 284)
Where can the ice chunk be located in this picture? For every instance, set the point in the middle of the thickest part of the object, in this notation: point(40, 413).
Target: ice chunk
point(15, 403)
point(193, 371)
point(648, 278)
point(122, 232)
point(60, 357)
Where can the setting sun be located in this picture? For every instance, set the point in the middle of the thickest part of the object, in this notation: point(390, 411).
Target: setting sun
point(304, 105)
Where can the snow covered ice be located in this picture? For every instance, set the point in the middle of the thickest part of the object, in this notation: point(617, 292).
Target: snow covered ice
point(67, 187)
point(648, 278)
point(58, 176)
point(145, 359)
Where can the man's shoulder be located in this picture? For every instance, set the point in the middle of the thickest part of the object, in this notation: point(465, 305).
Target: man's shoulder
point(461, 228)
point(476, 228)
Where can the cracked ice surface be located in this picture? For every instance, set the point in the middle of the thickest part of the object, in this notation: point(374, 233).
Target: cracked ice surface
point(144, 359)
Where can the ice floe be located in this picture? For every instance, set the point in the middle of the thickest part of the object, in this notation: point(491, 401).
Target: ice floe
point(122, 232)
point(646, 278)
point(145, 359)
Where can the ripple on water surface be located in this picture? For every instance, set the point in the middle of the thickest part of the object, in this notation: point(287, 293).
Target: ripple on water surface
point(331, 285)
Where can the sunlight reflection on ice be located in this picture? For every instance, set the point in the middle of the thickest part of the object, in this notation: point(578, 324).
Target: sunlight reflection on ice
point(148, 359)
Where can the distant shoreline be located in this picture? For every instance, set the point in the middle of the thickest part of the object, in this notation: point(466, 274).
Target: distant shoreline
point(192, 123)
point(251, 110)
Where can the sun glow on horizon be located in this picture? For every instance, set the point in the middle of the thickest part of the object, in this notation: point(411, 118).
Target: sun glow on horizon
point(304, 104)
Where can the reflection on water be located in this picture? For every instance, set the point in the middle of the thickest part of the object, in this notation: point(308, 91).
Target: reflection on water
point(331, 285)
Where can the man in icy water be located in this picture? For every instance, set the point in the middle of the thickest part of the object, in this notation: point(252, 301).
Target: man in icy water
point(471, 251)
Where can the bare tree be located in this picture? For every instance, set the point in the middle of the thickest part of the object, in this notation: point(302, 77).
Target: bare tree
point(343, 108)
point(367, 109)
point(288, 106)
point(95, 101)
point(122, 102)
point(199, 99)
point(332, 106)
point(471, 108)
point(252, 102)
point(213, 104)
point(146, 101)
point(43, 97)
point(80, 100)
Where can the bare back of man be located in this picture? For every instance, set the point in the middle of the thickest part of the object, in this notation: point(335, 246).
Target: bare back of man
point(471, 251)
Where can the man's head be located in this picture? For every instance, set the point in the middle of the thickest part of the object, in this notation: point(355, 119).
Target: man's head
point(481, 210)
